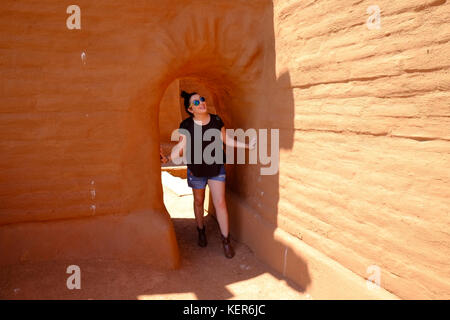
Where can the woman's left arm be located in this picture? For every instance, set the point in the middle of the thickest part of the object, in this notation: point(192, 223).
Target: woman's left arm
point(229, 141)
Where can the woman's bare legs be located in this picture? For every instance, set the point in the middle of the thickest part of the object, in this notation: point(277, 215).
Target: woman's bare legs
point(217, 189)
point(199, 199)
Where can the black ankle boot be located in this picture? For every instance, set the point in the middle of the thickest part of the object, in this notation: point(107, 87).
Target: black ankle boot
point(227, 248)
point(202, 236)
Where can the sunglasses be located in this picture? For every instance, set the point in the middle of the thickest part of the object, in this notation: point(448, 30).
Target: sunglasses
point(197, 102)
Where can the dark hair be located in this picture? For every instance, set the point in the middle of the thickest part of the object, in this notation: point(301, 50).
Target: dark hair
point(187, 97)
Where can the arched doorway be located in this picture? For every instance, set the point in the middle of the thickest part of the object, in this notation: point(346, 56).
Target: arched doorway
point(177, 196)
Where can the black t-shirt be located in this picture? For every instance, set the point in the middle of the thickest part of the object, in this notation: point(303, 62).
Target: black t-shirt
point(196, 133)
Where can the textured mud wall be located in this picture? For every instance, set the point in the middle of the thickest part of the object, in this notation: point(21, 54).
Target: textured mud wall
point(367, 181)
point(170, 113)
point(79, 117)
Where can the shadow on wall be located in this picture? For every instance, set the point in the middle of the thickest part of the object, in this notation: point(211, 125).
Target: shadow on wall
point(240, 73)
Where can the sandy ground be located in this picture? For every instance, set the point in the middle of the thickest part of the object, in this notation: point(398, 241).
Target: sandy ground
point(205, 273)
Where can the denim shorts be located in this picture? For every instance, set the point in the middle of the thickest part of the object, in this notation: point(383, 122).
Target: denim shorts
point(200, 182)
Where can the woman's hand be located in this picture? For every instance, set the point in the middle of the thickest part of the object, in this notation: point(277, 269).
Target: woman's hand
point(229, 141)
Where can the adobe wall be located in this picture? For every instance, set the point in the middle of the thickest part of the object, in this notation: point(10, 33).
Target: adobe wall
point(170, 113)
point(363, 118)
point(367, 180)
point(79, 118)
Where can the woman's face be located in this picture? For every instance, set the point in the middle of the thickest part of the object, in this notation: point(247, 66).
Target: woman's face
point(200, 108)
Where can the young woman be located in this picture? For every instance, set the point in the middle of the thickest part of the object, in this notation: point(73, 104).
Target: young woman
point(200, 174)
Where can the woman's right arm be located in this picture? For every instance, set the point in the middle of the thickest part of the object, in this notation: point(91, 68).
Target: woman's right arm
point(178, 150)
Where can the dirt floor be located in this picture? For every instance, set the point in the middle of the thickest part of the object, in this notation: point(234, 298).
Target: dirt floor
point(205, 273)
